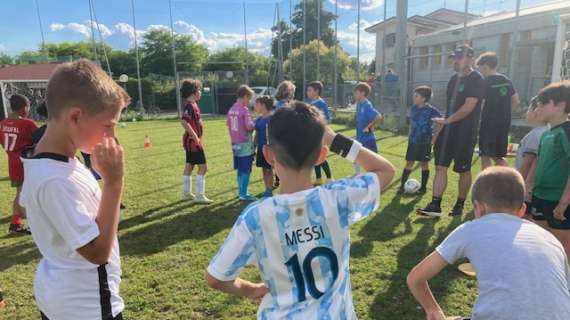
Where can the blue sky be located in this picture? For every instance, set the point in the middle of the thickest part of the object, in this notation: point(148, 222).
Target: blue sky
point(216, 23)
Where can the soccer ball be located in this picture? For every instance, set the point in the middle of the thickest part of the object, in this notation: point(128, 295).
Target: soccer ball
point(411, 186)
point(122, 124)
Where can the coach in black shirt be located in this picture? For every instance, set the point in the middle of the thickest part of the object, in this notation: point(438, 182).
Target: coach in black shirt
point(498, 101)
point(458, 136)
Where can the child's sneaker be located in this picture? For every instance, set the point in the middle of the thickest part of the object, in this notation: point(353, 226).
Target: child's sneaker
point(456, 211)
point(247, 197)
point(18, 229)
point(202, 199)
point(431, 210)
point(190, 196)
point(318, 182)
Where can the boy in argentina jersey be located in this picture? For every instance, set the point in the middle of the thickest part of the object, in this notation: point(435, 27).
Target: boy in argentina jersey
point(299, 240)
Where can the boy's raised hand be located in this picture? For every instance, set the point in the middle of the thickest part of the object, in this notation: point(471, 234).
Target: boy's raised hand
point(108, 160)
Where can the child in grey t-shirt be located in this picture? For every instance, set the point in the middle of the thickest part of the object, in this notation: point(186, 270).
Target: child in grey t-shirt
point(516, 261)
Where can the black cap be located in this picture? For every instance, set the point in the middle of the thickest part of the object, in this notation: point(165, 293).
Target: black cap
point(463, 50)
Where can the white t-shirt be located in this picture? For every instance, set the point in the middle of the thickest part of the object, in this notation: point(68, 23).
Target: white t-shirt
point(62, 198)
point(300, 243)
point(529, 145)
point(522, 270)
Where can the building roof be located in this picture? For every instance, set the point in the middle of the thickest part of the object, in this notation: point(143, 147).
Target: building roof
point(427, 21)
point(507, 15)
point(27, 72)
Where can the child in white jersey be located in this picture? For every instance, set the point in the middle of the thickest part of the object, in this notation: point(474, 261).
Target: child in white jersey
point(300, 239)
point(74, 223)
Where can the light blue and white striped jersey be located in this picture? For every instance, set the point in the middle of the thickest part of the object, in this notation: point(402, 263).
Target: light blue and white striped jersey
point(300, 243)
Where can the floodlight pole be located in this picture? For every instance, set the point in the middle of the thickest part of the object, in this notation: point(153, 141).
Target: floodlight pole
point(358, 41)
point(401, 57)
point(137, 56)
point(465, 18)
point(335, 80)
point(383, 69)
point(245, 42)
point(514, 40)
point(318, 40)
point(41, 29)
point(304, 47)
point(279, 47)
point(178, 102)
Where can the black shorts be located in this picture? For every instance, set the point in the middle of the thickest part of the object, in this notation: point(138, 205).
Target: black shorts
point(493, 143)
point(418, 152)
point(456, 146)
point(118, 317)
point(546, 208)
point(260, 161)
point(195, 157)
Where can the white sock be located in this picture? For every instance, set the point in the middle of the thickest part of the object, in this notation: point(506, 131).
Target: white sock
point(200, 184)
point(187, 184)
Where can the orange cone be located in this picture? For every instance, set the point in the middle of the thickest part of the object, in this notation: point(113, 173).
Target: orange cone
point(147, 143)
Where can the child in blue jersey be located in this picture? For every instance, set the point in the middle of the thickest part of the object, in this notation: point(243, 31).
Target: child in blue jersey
point(367, 117)
point(285, 93)
point(314, 91)
point(299, 239)
point(264, 107)
point(420, 136)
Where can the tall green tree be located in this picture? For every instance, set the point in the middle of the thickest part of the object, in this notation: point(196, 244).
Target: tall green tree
point(296, 32)
point(156, 50)
point(344, 64)
point(233, 59)
point(5, 59)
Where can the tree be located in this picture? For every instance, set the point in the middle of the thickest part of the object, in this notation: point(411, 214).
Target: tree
point(233, 59)
point(5, 59)
point(296, 33)
point(123, 62)
point(372, 67)
point(156, 52)
point(327, 64)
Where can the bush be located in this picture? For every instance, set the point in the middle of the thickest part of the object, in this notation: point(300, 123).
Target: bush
point(131, 114)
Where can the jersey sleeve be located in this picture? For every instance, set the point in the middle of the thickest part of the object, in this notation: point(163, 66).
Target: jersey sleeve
point(356, 197)
point(453, 247)
point(371, 113)
point(532, 144)
point(236, 252)
point(435, 113)
point(60, 202)
point(187, 114)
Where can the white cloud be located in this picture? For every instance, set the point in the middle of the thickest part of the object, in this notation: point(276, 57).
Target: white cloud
point(347, 38)
point(55, 27)
point(257, 41)
point(82, 28)
point(364, 4)
point(128, 30)
point(157, 27)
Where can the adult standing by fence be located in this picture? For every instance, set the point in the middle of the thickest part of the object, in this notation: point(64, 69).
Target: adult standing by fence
point(458, 136)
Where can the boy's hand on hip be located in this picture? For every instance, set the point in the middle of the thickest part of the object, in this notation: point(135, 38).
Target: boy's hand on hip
point(108, 160)
point(560, 210)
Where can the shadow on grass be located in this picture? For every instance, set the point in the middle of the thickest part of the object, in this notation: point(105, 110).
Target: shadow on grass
point(200, 224)
point(397, 301)
point(17, 254)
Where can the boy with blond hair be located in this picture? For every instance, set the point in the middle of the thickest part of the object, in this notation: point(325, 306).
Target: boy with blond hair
point(73, 221)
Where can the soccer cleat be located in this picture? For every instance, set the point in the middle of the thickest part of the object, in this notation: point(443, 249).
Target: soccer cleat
point(456, 211)
point(431, 210)
point(421, 192)
point(267, 194)
point(247, 197)
point(18, 229)
point(188, 196)
point(202, 199)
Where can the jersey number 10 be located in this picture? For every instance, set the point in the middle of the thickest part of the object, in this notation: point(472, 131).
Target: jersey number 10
point(10, 141)
point(307, 275)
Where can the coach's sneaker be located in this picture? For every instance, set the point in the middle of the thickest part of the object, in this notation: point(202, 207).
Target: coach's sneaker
point(18, 229)
point(456, 211)
point(202, 199)
point(431, 210)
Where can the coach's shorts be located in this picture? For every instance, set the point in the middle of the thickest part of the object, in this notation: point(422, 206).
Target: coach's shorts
point(418, 152)
point(494, 143)
point(371, 145)
point(454, 146)
point(546, 208)
point(195, 157)
point(243, 164)
point(260, 161)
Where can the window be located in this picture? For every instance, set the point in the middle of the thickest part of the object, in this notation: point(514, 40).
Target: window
point(423, 57)
point(436, 58)
point(390, 40)
point(505, 52)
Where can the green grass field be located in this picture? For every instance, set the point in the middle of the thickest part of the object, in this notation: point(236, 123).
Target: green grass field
point(166, 243)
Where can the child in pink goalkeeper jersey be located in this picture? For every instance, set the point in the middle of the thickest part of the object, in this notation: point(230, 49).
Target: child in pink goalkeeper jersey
point(240, 126)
